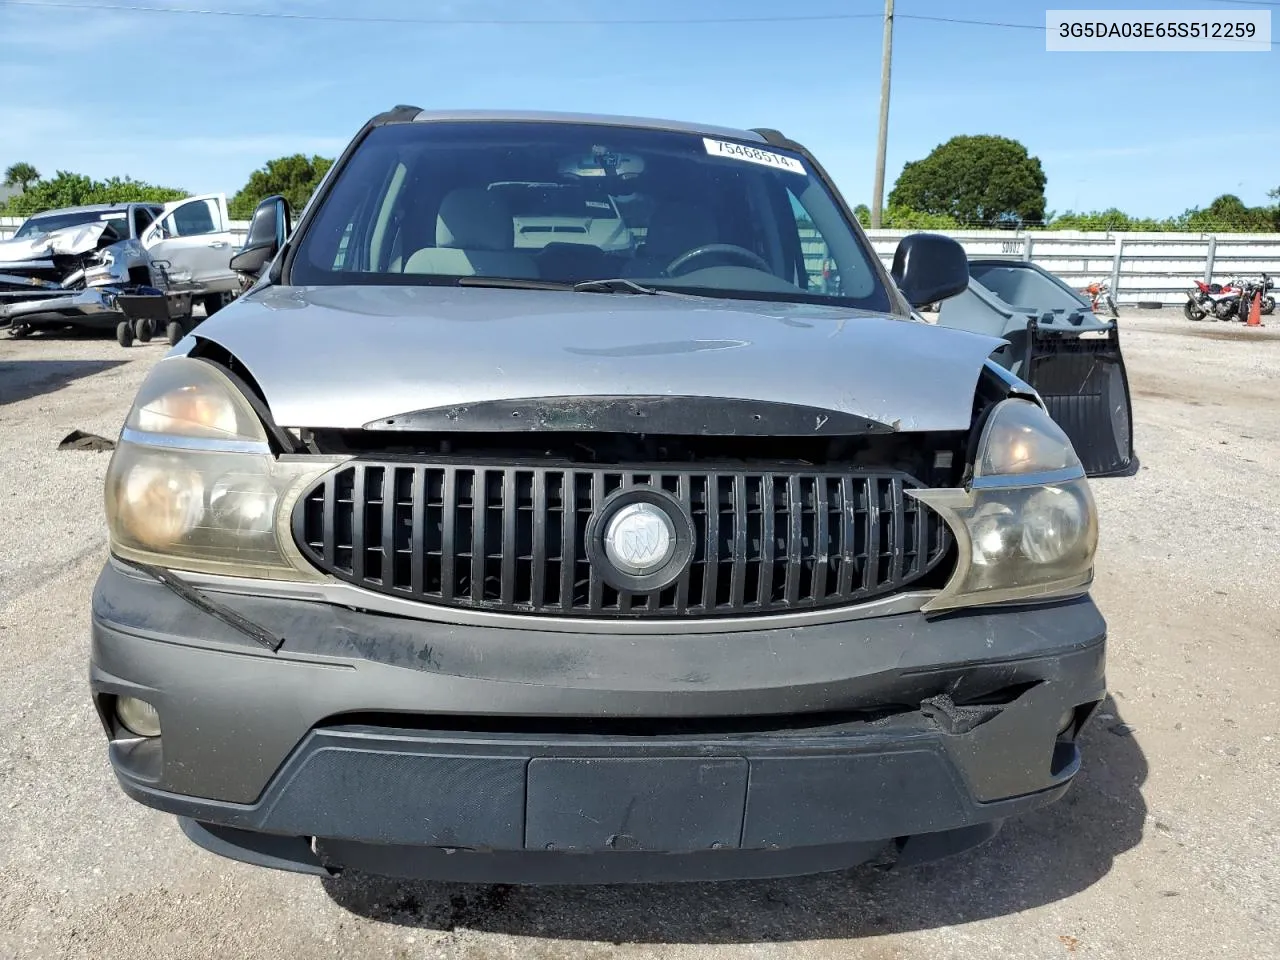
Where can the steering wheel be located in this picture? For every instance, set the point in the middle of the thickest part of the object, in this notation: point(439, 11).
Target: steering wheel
point(741, 254)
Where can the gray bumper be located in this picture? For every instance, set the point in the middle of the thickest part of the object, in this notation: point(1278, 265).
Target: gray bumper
point(367, 729)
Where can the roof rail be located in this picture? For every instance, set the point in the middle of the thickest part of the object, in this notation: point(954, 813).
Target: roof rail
point(772, 136)
point(396, 114)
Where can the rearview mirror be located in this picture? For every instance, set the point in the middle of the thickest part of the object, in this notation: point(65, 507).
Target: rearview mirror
point(268, 232)
point(928, 267)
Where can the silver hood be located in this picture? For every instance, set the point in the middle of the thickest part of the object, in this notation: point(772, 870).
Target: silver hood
point(342, 357)
point(68, 241)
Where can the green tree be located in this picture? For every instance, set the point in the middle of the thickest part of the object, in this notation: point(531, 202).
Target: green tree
point(1228, 213)
point(295, 178)
point(66, 189)
point(21, 175)
point(975, 180)
point(904, 218)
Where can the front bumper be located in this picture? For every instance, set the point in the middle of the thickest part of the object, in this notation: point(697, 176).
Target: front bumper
point(89, 305)
point(94, 307)
point(428, 749)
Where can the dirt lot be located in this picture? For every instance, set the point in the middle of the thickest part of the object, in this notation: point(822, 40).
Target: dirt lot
point(1167, 846)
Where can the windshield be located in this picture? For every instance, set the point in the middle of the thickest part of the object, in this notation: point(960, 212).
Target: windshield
point(118, 220)
point(564, 203)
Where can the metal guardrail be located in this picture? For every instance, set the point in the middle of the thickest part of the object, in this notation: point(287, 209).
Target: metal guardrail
point(1142, 267)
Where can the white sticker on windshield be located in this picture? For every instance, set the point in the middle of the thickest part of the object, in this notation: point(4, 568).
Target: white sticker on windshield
point(740, 151)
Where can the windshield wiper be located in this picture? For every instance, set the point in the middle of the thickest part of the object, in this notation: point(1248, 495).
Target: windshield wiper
point(512, 283)
point(613, 285)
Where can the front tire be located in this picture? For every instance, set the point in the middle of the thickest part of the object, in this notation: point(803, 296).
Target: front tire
point(124, 333)
point(212, 303)
point(175, 331)
point(143, 330)
point(1268, 306)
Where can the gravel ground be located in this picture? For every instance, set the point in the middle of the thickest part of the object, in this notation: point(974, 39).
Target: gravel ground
point(1168, 845)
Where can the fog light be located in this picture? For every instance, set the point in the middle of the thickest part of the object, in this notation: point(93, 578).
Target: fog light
point(138, 716)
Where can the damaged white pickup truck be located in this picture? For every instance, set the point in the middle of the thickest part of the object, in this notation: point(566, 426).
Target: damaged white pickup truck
point(136, 267)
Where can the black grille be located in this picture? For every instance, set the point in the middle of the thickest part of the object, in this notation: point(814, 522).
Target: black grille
point(513, 538)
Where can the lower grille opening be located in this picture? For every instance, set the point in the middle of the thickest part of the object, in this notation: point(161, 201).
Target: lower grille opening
point(639, 727)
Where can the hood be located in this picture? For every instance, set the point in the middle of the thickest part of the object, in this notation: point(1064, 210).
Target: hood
point(342, 357)
point(69, 241)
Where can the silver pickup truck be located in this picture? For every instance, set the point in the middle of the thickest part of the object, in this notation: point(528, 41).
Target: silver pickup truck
point(131, 266)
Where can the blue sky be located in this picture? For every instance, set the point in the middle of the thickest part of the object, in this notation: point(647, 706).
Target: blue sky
point(200, 101)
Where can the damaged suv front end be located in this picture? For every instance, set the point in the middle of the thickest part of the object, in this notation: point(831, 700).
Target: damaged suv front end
point(438, 555)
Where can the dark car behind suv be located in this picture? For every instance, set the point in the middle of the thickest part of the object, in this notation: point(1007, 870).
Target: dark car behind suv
point(443, 554)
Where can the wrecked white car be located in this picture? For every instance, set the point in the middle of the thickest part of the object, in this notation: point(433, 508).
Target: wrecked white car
point(136, 267)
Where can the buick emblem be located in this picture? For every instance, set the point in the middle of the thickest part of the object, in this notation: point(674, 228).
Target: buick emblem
point(639, 539)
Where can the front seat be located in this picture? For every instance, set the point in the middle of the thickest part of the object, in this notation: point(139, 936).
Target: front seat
point(475, 236)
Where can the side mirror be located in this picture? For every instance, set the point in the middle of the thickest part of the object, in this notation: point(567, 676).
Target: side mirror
point(928, 267)
point(268, 231)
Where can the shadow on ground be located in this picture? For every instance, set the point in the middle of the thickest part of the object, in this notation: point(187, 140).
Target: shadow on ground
point(1041, 858)
point(23, 379)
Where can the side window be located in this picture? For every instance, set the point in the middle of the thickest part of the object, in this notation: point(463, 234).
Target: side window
point(340, 261)
point(819, 265)
point(192, 220)
point(142, 218)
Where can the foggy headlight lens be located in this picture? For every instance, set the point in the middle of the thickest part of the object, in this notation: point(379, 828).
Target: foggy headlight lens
point(193, 399)
point(208, 511)
point(194, 485)
point(996, 532)
point(166, 501)
point(243, 503)
point(1053, 521)
point(1027, 527)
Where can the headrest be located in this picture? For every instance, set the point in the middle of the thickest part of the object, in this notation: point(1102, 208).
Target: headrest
point(472, 218)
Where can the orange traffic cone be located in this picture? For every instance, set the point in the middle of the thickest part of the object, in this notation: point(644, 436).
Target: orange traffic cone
point(1255, 310)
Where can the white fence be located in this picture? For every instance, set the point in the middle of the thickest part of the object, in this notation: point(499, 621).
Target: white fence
point(1142, 267)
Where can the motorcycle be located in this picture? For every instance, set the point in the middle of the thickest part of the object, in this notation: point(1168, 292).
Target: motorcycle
point(1212, 298)
point(1237, 305)
point(1099, 293)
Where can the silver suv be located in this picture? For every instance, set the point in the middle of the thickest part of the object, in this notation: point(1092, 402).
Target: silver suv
point(441, 554)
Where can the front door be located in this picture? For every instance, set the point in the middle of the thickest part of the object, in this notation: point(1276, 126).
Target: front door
point(193, 239)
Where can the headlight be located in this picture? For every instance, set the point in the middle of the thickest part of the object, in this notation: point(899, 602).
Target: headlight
point(1026, 528)
point(194, 485)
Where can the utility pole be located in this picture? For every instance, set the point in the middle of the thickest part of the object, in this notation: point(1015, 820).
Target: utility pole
point(877, 192)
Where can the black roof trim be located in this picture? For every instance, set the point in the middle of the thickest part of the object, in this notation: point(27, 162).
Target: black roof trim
point(400, 113)
point(774, 137)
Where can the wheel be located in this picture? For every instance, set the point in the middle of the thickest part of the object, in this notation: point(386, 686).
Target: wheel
point(1191, 311)
point(143, 329)
point(1268, 306)
point(124, 333)
point(211, 303)
point(175, 331)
